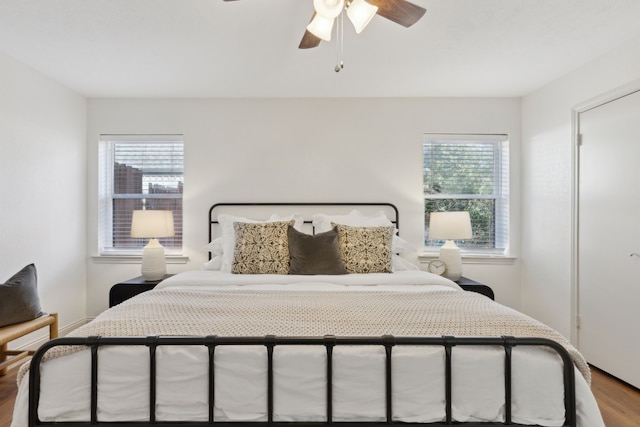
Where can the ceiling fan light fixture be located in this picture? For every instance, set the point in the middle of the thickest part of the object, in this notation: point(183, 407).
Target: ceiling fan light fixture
point(360, 13)
point(328, 8)
point(321, 27)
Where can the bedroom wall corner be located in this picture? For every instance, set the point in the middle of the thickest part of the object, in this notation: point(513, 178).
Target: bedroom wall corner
point(547, 181)
point(43, 169)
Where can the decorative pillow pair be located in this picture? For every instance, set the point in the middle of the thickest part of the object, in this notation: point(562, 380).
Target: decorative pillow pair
point(19, 301)
point(343, 249)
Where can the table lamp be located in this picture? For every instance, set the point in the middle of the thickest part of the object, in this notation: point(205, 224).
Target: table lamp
point(153, 225)
point(450, 226)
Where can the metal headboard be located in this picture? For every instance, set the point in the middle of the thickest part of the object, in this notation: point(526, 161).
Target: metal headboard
point(307, 207)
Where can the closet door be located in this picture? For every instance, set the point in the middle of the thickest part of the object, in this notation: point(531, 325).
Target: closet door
point(609, 237)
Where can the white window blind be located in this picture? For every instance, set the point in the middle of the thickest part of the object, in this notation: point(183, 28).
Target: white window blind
point(469, 173)
point(138, 172)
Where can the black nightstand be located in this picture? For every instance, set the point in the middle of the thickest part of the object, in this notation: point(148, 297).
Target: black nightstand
point(124, 290)
point(473, 286)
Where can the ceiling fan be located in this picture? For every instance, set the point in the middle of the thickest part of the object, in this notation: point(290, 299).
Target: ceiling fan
point(359, 12)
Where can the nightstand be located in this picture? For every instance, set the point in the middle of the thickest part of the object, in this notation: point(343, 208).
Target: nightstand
point(473, 286)
point(124, 290)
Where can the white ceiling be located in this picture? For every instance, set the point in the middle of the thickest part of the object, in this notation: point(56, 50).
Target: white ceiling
point(248, 48)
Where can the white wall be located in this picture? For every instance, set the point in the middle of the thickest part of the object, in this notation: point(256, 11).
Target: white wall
point(299, 150)
point(43, 170)
point(547, 181)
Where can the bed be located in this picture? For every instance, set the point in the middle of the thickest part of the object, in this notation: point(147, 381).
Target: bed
point(370, 341)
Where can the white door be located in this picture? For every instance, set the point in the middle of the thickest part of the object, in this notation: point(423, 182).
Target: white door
point(609, 236)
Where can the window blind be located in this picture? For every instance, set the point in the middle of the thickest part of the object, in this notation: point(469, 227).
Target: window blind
point(139, 172)
point(470, 173)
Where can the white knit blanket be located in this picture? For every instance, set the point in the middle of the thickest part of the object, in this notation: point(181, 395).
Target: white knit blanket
point(233, 312)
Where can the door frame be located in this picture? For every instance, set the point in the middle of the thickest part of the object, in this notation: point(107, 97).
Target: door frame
point(583, 107)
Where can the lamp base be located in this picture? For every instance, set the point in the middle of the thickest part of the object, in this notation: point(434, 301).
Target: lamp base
point(450, 255)
point(154, 264)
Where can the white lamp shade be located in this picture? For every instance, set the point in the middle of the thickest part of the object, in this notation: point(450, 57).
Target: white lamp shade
point(328, 8)
point(360, 13)
point(321, 27)
point(153, 224)
point(450, 225)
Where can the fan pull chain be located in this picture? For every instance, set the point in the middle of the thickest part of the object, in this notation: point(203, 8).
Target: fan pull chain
point(340, 43)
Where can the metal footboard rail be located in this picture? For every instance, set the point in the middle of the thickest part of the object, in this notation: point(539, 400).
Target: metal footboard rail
point(270, 342)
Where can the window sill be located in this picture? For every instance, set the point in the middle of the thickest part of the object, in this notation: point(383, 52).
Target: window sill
point(468, 258)
point(135, 259)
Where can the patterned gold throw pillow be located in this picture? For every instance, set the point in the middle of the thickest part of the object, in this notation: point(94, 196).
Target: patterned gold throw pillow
point(261, 248)
point(366, 249)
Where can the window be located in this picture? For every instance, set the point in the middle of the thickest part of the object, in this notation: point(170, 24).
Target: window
point(469, 173)
point(138, 172)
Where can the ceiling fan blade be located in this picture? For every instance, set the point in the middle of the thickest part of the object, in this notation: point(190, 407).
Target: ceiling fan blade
point(399, 11)
point(309, 40)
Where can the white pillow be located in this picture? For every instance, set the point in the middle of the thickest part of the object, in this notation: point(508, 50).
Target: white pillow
point(403, 264)
point(228, 233)
point(322, 223)
point(399, 245)
point(214, 263)
point(215, 247)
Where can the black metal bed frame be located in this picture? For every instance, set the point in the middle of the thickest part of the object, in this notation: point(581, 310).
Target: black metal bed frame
point(270, 342)
point(93, 343)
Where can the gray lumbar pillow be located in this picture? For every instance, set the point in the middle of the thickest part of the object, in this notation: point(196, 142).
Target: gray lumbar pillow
point(19, 299)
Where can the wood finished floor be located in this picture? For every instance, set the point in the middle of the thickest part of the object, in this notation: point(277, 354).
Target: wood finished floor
point(619, 402)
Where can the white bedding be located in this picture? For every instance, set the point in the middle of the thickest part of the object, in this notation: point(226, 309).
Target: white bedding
point(418, 386)
point(409, 280)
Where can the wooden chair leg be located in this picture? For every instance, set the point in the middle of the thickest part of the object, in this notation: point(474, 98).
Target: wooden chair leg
point(3, 357)
point(12, 332)
point(53, 327)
